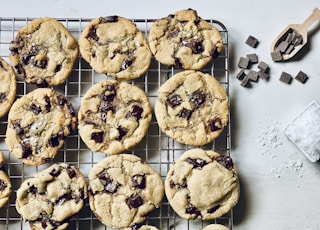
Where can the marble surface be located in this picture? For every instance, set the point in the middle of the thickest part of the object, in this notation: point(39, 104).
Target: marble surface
point(279, 186)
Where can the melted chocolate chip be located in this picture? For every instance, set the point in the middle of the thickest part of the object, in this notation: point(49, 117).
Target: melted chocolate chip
point(71, 172)
point(54, 141)
point(226, 161)
point(3, 185)
point(33, 190)
point(42, 64)
point(3, 97)
point(61, 100)
point(138, 181)
point(25, 59)
point(17, 126)
point(195, 46)
point(93, 34)
point(136, 112)
point(177, 62)
point(97, 137)
point(36, 109)
point(197, 163)
point(55, 172)
point(185, 113)
point(193, 211)
point(215, 124)
point(58, 68)
point(174, 100)
point(63, 199)
point(134, 201)
point(19, 69)
point(127, 63)
point(198, 98)
point(48, 103)
point(26, 150)
point(109, 185)
point(14, 47)
point(212, 210)
point(122, 132)
point(113, 18)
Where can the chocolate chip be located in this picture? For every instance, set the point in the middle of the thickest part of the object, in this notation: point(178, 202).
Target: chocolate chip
point(36, 109)
point(134, 201)
point(197, 163)
point(243, 63)
point(198, 98)
point(33, 190)
point(212, 210)
point(122, 132)
point(113, 18)
point(185, 113)
point(138, 181)
point(3, 185)
point(71, 172)
point(48, 103)
point(42, 64)
point(61, 100)
point(26, 150)
point(174, 100)
point(136, 112)
point(93, 34)
point(127, 63)
point(193, 211)
point(97, 137)
point(55, 172)
point(215, 125)
point(63, 199)
point(58, 68)
point(226, 161)
point(17, 126)
point(195, 45)
point(3, 97)
point(110, 186)
point(26, 57)
point(54, 141)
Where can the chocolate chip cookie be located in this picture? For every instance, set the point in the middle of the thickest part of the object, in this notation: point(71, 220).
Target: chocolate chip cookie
point(5, 183)
point(52, 197)
point(216, 227)
point(123, 189)
point(114, 46)
point(44, 52)
point(38, 124)
point(141, 227)
point(184, 40)
point(113, 116)
point(192, 108)
point(8, 87)
point(202, 185)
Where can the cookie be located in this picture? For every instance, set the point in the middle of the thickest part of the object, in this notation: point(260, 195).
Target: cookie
point(184, 40)
point(113, 116)
point(192, 108)
point(38, 124)
point(216, 227)
point(5, 183)
point(52, 197)
point(202, 185)
point(123, 189)
point(142, 227)
point(44, 52)
point(8, 87)
point(114, 46)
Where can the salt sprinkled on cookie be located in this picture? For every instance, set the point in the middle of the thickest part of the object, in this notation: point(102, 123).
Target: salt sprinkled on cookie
point(304, 131)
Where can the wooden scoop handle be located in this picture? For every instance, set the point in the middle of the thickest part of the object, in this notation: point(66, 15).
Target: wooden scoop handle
point(310, 20)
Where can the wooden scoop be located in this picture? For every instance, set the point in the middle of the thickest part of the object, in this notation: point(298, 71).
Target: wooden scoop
point(289, 51)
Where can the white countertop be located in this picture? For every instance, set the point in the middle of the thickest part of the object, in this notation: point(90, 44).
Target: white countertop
point(279, 186)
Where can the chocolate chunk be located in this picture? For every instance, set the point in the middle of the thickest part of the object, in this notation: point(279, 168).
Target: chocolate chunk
point(36, 109)
point(25, 59)
point(17, 126)
point(127, 63)
point(3, 97)
point(58, 68)
point(263, 66)
point(122, 132)
point(138, 181)
point(301, 77)
point(253, 75)
point(113, 18)
point(54, 141)
point(20, 69)
point(212, 210)
point(93, 34)
point(61, 100)
point(3, 185)
point(71, 172)
point(33, 190)
point(134, 201)
point(63, 199)
point(174, 33)
point(252, 41)
point(198, 98)
point(136, 112)
point(185, 113)
point(253, 58)
point(27, 150)
point(55, 172)
point(173, 100)
point(195, 45)
point(215, 124)
point(263, 75)
point(109, 185)
point(48, 103)
point(276, 55)
point(42, 64)
point(243, 63)
point(197, 163)
point(97, 137)
point(193, 211)
point(285, 78)
point(241, 74)
point(177, 62)
point(283, 46)
point(226, 161)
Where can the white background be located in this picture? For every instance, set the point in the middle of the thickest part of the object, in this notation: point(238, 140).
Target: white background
point(280, 189)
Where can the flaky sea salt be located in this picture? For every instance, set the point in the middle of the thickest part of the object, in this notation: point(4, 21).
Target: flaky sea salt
point(304, 131)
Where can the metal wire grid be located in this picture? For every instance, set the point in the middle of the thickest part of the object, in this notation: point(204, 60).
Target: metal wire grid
point(159, 151)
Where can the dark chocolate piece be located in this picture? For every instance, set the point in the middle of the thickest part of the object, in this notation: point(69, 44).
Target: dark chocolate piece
point(263, 66)
point(263, 75)
point(197, 163)
point(252, 41)
point(245, 81)
point(173, 100)
point(241, 74)
point(134, 201)
point(276, 55)
point(226, 161)
point(253, 75)
point(243, 63)
point(285, 77)
point(138, 181)
point(301, 77)
point(253, 58)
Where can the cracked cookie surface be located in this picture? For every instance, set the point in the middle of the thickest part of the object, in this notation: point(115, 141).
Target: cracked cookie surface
point(38, 124)
point(113, 116)
point(44, 52)
point(123, 189)
point(192, 108)
point(5, 183)
point(52, 197)
point(184, 40)
point(115, 46)
point(202, 185)
point(8, 87)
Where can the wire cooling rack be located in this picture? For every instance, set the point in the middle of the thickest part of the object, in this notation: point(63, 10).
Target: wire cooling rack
point(159, 151)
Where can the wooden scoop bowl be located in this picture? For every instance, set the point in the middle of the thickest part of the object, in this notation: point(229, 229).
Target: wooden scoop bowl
point(301, 29)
